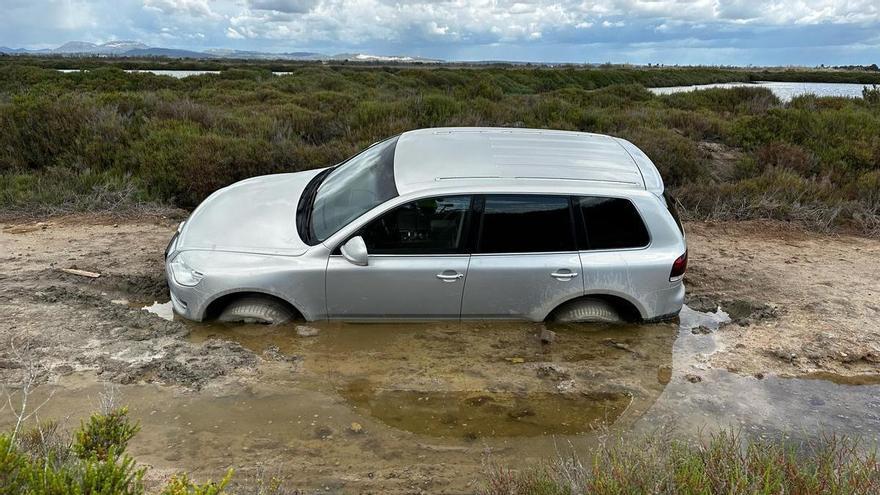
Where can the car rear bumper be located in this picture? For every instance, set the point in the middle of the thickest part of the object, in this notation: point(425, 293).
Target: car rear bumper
point(664, 303)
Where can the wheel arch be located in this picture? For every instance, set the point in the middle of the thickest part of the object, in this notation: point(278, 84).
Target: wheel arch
point(220, 301)
point(627, 307)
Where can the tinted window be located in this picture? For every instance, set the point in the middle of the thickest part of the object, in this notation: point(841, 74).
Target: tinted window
point(426, 226)
point(526, 224)
point(353, 188)
point(612, 223)
point(670, 204)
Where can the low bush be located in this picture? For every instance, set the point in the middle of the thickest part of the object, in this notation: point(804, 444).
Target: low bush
point(726, 463)
point(108, 139)
point(45, 461)
point(104, 433)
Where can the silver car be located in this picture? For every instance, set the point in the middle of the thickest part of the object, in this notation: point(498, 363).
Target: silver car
point(447, 223)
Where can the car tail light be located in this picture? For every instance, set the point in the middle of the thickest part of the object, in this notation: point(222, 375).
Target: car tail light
point(678, 267)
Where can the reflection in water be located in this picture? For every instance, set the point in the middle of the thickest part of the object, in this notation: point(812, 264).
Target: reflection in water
point(162, 310)
point(478, 380)
point(480, 414)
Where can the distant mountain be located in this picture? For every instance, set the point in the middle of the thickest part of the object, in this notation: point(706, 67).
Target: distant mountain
point(110, 48)
point(363, 57)
point(138, 49)
point(164, 52)
point(245, 54)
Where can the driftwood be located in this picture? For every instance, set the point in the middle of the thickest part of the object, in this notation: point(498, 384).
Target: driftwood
point(81, 273)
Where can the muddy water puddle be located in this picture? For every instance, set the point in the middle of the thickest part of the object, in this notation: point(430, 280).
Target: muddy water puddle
point(474, 415)
point(464, 382)
point(354, 407)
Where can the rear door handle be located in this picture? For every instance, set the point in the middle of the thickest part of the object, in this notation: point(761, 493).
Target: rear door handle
point(564, 274)
point(449, 276)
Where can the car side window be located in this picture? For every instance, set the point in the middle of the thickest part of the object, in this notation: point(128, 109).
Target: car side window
point(526, 224)
point(424, 226)
point(612, 223)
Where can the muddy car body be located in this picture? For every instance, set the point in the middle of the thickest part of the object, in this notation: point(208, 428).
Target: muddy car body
point(447, 223)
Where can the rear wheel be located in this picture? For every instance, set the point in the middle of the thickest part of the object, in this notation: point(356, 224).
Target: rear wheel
point(587, 310)
point(256, 310)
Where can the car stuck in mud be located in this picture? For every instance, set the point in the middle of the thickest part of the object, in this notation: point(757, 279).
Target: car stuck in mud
point(447, 223)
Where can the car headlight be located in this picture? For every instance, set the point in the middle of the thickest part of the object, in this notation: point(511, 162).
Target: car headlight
point(184, 274)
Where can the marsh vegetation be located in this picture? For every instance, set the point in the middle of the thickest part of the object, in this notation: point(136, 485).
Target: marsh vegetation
point(107, 139)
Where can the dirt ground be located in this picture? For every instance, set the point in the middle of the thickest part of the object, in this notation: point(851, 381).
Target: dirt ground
point(803, 303)
point(70, 323)
point(409, 408)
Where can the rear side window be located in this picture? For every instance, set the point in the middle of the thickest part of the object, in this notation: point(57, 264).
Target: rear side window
point(612, 223)
point(670, 204)
point(424, 226)
point(526, 224)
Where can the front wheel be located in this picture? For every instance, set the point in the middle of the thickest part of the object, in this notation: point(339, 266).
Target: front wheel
point(256, 310)
point(586, 311)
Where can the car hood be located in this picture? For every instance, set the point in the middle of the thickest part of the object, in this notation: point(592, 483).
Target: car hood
point(256, 215)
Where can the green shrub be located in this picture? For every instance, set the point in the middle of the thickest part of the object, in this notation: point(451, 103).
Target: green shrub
point(181, 485)
point(107, 139)
point(104, 435)
point(43, 473)
point(678, 158)
point(738, 100)
point(788, 156)
point(871, 95)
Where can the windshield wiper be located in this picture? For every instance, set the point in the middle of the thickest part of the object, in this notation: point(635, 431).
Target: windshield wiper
point(305, 207)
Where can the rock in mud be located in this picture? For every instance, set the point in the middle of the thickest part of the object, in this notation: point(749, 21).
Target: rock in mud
point(783, 354)
point(701, 302)
point(664, 374)
point(565, 386)
point(693, 378)
point(306, 331)
point(356, 428)
point(547, 336)
point(273, 353)
point(553, 372)
point(701, 330)
point(742, 312)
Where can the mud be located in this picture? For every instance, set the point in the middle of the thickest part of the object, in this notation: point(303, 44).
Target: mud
point(802, 303)
point(68, 323)
point(784, 318)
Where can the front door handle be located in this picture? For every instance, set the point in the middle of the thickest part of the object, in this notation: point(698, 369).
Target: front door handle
point(449, 276)
point(564, 275)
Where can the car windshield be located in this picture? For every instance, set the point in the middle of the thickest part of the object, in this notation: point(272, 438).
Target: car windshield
point(355, 187)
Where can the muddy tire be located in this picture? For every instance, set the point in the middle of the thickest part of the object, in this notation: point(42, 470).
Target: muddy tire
point(587, 311)
point(256, 310)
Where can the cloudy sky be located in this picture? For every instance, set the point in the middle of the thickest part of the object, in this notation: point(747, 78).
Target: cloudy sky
point(742, 32)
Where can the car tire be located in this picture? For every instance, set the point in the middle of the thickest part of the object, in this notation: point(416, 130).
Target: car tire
point(256, 310)
point(587, 311)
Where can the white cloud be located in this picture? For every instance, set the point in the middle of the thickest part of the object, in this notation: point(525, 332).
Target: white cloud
point(449, 28)
point(233, 34)
point(285, 6)
point(192, 8)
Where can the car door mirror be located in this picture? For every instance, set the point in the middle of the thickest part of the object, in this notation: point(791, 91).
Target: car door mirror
point(355, 251)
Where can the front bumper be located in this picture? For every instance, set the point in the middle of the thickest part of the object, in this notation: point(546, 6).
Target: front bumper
point(188, 302)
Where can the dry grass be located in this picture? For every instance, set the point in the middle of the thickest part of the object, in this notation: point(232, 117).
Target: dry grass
point(726, 463)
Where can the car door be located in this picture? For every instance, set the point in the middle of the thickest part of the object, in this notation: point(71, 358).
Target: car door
point(417, 264)
point(525, 260)
point(614, 248)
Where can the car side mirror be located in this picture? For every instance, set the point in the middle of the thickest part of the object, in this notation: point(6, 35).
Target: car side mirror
point(355, 251)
